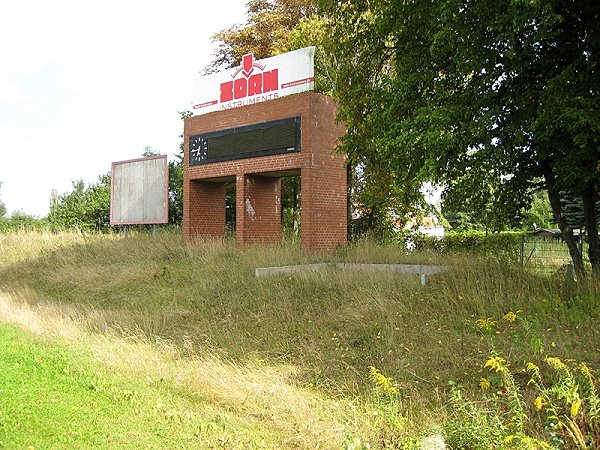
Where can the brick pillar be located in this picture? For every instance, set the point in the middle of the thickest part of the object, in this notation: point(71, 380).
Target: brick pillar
point(204, 209)
point(324, 194)
point(258, 209)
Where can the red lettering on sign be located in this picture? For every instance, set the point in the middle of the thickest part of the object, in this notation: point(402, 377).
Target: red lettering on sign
point(250, 84)
point(247, 63)
point(271, 80)
point(240, 88)
point(255, 84)
point(226, 91)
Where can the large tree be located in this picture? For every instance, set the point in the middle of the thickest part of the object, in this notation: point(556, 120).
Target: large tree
point(265, 33)
point(484, 97)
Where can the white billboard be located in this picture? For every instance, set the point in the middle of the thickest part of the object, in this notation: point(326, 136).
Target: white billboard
point(139, 191)
point(255, 81)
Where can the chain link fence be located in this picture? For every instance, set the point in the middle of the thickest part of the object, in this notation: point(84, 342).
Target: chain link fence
point(548, 253)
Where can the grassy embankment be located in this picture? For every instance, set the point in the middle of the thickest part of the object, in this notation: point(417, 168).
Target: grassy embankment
point(240, 361)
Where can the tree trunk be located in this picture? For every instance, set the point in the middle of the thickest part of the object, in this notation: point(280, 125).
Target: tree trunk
point(590, 217)
point(559, 216)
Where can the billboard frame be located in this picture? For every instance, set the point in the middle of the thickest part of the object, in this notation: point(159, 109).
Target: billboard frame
point(162, 220)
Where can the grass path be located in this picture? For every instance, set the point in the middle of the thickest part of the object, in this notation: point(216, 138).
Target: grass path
point(54, 398)
point(64, 387)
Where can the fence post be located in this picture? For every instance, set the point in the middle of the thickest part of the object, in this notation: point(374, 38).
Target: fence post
point(522, 250)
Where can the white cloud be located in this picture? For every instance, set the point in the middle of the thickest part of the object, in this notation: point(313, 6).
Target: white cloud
point(12, 92)
point(83, 84)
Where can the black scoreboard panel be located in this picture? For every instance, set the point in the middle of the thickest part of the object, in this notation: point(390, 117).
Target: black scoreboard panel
point(268, 138)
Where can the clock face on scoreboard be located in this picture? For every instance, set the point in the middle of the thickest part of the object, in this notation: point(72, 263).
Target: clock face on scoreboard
point(267, 138)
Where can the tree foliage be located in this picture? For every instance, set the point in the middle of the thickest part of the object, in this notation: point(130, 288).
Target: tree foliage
point(176, 191)
point(266, 32)
point(274, 27)
point(85, 208)
point(539, 214)
point(484, 98)
point(19, 221)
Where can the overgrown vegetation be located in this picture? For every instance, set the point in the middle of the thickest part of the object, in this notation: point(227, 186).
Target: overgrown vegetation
point(20, 222)
point(485, 99)
point(306, 339)
point(498, 245)
point(85, 208)
point(540, 402)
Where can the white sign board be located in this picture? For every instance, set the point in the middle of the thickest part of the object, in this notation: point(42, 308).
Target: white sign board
point(139, 191)
point(255, 81)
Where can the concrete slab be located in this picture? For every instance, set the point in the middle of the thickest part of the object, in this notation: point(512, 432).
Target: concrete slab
point(423, 270)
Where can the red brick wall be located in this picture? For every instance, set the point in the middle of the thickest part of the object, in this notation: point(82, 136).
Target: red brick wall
point(258, 210)
point(204, 207)
point(323, 175)
point(324, 193)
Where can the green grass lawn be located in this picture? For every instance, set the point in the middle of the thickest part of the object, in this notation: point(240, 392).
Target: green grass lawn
point(56, 399)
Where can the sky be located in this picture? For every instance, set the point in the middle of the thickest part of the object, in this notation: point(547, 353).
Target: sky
point(84, 84)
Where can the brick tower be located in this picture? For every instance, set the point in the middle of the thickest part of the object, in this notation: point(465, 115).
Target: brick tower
point(257, 168)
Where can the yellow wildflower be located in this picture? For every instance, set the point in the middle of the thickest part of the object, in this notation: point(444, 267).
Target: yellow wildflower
point(496, 363)
point(509, 439)
point(585, 370)
point(538, 403)
point(575, 406)
point(535, 372)
point(555, 363)
point(531, 367)
point(484, 384)
point(486, 324)
point(382, 382)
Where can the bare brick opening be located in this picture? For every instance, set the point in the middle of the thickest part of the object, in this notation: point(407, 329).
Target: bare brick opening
point(260, 220)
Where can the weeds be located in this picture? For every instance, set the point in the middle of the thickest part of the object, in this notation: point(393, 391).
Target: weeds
point(293, 352)
point(536, 407)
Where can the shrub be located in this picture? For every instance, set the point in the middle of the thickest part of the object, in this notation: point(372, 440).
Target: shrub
point(504, 244)
point(19, 221)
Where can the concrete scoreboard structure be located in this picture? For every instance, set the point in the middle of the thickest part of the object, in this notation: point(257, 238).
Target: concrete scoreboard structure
point(254, 144)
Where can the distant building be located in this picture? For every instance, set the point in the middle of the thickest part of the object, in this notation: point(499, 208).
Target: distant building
point(426, 225)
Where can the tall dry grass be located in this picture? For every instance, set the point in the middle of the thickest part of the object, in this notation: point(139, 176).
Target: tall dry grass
point(283, 347)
